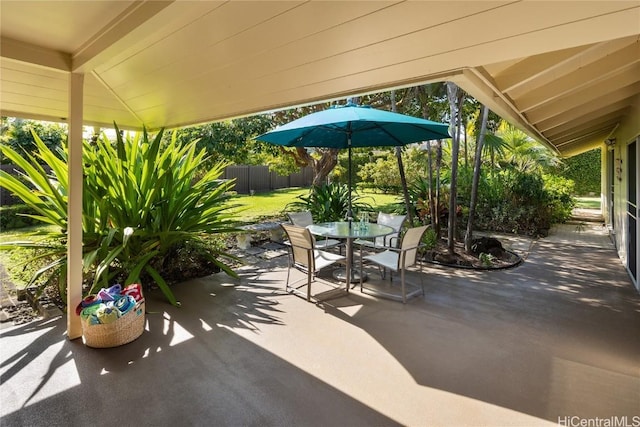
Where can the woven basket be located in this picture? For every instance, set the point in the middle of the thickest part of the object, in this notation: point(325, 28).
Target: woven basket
point(124, 330)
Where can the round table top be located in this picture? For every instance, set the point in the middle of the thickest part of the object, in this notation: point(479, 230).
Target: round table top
point(346, 230)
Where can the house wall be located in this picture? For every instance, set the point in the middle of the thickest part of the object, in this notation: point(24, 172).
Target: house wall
point(625, 134)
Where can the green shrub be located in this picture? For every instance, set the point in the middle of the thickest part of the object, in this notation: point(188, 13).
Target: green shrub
point(16, 216)
point(429, 239)
point(559, 192)
point(522, 202)
point(383, 174)
point(584, 170)
point(141, 204)
point(329, 203)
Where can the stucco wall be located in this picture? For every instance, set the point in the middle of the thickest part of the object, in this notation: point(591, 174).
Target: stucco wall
point(626, 133)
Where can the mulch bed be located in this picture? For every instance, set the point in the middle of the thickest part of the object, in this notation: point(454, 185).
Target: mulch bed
point(500, 257)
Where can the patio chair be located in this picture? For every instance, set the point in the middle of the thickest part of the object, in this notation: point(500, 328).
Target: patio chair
point(306, 258)
point(388, 241)
point(303, 219)
point(399, 260)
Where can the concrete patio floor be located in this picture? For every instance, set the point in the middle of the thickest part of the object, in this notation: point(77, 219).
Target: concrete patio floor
point(554, 338)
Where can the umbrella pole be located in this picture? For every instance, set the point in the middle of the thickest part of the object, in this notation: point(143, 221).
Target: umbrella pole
point(349, 212)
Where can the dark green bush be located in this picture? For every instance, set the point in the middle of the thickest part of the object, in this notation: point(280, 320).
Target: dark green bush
point(329, 203)
point(522, 202)
point(584, 170)
point(16, 216)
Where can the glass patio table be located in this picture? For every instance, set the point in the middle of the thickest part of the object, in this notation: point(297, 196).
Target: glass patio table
point(349, 231)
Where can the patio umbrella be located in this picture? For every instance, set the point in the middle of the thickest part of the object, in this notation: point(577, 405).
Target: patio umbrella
point(350, 125)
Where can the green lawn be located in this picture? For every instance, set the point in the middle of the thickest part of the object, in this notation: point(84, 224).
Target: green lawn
point(588, 202)
point(273, 204)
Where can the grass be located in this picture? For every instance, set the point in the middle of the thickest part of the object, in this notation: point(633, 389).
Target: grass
point(17, 261)
point(588, 202)
point(273, 203)
point(250, 209)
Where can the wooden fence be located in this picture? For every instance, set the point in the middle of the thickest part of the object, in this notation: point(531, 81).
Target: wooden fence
point(258, 178)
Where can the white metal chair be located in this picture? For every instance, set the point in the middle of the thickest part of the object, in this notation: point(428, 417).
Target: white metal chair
point(306, 258)
point(388, 241)
point(303, 219)
point(398, 260)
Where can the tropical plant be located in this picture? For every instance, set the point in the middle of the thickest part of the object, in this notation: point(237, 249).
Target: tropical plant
point(514, 201)
point(329, 202)
point(17, 134)
point(140, 203)
point(523, 152)
point(486, 259)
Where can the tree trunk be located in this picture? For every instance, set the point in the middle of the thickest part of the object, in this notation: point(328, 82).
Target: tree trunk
point(452, 92)
point(437, 202)
point(468, 238)
point(432, 205)
point(403, 177)
point(322, 167)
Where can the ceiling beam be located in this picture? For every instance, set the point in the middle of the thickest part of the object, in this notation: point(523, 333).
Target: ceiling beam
point(539, 70)
point(567, 134)
point(571, 128)
point(35, 55)
point(583, 76)
point(579, 118)
point(614, 90)
point(87, 57)
point(529, 68)
point(602, 130)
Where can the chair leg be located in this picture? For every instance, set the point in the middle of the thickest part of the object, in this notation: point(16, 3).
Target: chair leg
point(361, 262)
point(309, 280)
point(286, 286)
point(404, 292)
point(421, 281)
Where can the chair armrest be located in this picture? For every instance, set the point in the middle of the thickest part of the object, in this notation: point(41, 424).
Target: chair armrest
point(390, 242)
point(400, 250)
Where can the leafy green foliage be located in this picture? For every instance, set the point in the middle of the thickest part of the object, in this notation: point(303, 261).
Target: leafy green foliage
point(230, 141)
point(584, 170)
point(16, 216)
point(559, 192)
point(429, 239)
point(17, 135)
point(383, 174)
point(329, 203)
point(141, 204)
point(522, 202)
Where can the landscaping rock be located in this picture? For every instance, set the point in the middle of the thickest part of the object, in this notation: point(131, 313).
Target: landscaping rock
point(487, 245)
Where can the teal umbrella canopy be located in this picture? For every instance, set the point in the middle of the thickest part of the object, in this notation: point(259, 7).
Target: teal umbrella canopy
point(350, 125)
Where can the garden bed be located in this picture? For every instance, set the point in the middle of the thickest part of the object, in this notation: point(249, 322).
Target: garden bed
point(493, 257)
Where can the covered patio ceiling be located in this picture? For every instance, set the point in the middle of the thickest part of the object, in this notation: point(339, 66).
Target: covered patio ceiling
point(566, 72)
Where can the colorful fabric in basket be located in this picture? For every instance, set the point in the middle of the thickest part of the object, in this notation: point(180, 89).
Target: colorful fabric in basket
point(110, 294)
point(124, 304)
point(109, 304)
point(107, 313)
point(135, 290)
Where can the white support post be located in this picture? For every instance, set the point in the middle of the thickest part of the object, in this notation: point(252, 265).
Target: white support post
point(74, 207)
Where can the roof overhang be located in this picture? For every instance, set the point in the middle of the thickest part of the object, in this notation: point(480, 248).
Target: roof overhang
point(566, 72)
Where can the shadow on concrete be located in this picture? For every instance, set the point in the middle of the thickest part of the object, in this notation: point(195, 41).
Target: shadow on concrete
point(188, 368)
point(557, 336)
